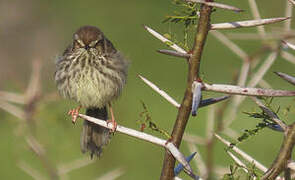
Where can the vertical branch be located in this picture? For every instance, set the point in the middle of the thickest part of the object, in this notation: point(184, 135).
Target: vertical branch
point(193, 74)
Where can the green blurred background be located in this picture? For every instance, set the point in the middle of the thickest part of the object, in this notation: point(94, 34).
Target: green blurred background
point(41, 29)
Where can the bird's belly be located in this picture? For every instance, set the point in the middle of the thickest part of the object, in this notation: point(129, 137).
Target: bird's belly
point(94, 89)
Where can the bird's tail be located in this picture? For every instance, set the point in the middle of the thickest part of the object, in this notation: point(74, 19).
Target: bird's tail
point(93, 136)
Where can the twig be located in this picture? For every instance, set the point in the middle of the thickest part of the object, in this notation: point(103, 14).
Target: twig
point(112, 175)
point(218, 5)
point(238, 161)
point(286, 77)
point(141, 135)
point(174, 53)
point(255, 12)
point(190, 138)
point(287, 56)
point(263, 69)
point(30, 171)
point(244, 73)
point(34, 88)
point(40, 152)
point(210, 122)
point(12, 109)
point(76, 164)
point(237, 90)
point(250, 23)
point(198, 160)
point(165, 40)
point(161, 92)
point(271, 114)
point(12, 97)
point(254, 36)
point(243, 154)
point(210, 142)
point(231, 45)
point(288, 13)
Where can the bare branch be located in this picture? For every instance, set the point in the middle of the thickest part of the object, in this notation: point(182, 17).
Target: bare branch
point(218, 5)
point(250, 23)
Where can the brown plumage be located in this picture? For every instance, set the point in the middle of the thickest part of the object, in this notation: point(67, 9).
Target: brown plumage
point(91, 72)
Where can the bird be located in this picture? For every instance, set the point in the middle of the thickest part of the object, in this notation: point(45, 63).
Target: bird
point(92, 72)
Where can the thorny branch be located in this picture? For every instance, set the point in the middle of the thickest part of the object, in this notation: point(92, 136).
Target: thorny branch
point(193, 74)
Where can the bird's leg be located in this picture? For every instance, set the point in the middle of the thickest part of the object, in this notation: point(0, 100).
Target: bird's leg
point(74, 113)
point(112, 120)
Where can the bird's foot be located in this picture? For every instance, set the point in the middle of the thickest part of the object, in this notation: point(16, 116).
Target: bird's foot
point(74, 113)
point(114, 125)
point(112, 120)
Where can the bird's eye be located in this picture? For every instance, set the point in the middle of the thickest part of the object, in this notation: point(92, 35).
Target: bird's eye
point(95, 43)
point(81, 44)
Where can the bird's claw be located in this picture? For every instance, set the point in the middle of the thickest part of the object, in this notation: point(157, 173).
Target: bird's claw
point(114, 123)
point(74, 113)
